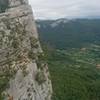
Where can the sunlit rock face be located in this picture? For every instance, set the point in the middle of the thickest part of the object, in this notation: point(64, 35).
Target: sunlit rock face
point(21, 56)
point(17, 2)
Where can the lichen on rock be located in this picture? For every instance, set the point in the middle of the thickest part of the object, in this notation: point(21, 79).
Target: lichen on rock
point(20, 76)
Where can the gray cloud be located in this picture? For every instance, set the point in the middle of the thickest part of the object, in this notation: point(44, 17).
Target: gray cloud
point(52, 9)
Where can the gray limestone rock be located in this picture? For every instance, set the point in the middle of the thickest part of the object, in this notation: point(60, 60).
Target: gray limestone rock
point(19, 54)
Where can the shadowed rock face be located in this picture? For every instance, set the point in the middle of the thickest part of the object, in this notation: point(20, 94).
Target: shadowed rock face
point(21, 55)
point(3, 5)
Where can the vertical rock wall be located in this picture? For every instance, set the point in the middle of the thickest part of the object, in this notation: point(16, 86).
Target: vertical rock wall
point(21, 55)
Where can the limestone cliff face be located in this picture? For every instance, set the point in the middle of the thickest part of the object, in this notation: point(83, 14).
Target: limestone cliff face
point(21, 56)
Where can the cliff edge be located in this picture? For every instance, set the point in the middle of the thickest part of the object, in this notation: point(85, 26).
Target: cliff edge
point(21, 57)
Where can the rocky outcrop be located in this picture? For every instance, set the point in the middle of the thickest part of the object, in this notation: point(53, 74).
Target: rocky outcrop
point(21, 56)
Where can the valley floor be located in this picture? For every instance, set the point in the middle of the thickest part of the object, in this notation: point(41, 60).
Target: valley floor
point(75, 73)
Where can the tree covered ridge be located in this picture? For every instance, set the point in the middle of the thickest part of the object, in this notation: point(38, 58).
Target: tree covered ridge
point(70, 34)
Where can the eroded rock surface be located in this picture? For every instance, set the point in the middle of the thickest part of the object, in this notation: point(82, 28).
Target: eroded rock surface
point(21, 56)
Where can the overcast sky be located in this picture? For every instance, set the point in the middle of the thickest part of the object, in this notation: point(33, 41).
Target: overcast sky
point(51, 9)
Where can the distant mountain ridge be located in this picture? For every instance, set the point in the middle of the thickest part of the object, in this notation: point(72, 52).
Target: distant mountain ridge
point(65, 33)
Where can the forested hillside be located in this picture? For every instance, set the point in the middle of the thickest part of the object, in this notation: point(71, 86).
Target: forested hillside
point(63, 33)
point(75, 73)
point(72, 51)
